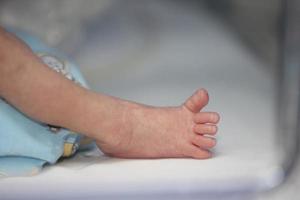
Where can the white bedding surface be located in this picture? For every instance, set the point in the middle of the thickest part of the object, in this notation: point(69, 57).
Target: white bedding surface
point(183, 56)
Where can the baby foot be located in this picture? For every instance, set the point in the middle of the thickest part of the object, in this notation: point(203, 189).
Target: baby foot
point(154, 132)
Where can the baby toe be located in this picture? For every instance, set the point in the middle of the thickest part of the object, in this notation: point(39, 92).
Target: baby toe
point(204, 142)
point(207, 117)
point(197, 153)
point(205, 129)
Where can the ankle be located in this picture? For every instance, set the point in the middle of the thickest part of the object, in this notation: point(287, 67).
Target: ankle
point(116, 119)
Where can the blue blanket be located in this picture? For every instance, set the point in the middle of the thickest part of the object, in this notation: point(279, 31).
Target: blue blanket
point(25, 144)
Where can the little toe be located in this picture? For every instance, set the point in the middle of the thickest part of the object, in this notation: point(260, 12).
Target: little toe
point(207, 117)
point(197, 101)
point(205, 129)
point(198, 153)
point(204, 142)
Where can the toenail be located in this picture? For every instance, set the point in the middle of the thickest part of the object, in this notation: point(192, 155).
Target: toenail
point(217, 117)
point(213, 142)
point(201, 91)
point(214, 129)
point(214, 118)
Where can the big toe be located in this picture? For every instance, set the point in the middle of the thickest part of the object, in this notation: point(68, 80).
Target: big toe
point(197, 101)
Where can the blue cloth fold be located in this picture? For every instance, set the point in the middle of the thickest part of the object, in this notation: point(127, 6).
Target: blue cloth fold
point(25, 144)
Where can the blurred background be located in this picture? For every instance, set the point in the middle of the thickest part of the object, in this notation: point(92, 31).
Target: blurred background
point(151, 51)
point(131, 29)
